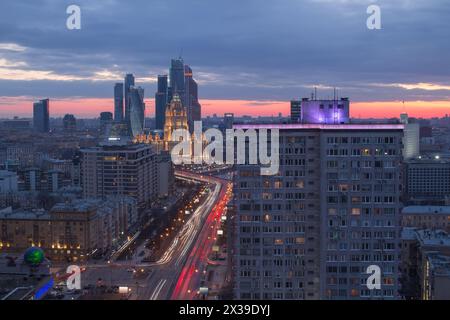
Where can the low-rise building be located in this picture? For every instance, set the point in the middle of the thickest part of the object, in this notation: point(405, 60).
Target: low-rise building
point(425, 264)
point(70, 231)
point(426, 217)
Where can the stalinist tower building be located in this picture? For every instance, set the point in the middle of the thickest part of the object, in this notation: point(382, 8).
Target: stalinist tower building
point(176, 118)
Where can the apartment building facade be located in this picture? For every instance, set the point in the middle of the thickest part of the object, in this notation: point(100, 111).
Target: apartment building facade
point(312, 230)
point(116, 168)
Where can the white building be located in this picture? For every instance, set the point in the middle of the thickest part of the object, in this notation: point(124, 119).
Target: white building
point(311, 231)
point(411, 140)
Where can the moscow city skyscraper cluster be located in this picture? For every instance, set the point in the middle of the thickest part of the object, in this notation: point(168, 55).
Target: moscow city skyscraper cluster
point(132, 97)
point(129, 106)
point(181, 82)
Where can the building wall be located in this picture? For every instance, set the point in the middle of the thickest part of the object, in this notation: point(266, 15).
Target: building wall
point(428, 178)
point(70, 231)
point(334, 209)
point(127, 170)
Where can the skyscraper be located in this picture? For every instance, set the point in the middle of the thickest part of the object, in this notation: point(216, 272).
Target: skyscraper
point(118, 102)
point(137, 110)
point(129, 82)
point(176, 75)
point(161, 100)
point(312, 230)
point(296, 111)
point(191, 98)
point(41, 115)
point(176, 118)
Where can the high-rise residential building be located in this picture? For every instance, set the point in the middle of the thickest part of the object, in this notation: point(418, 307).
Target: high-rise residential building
point(193, 107)
point(161, 100)
point(296, 108)
point(120, 168)
point(137, 110)
point(41, 116)
point(118, 102)
point(129, 82)
point(333, 209)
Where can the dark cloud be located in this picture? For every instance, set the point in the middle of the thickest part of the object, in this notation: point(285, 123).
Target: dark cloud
point(249, 49)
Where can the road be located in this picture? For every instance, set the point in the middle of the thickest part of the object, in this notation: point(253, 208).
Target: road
point(194, 270)
point(174, 274)
point(169, 273)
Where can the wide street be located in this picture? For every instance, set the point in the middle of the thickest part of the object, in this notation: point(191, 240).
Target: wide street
point(179, 271)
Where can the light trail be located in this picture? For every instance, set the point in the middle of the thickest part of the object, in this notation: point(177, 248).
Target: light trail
point(158, 289)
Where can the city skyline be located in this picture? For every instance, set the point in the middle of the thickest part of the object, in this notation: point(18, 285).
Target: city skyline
point(213, 152)
point(385, 68)
point(92, 107)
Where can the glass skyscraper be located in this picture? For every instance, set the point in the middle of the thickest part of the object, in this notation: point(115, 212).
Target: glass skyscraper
point(177, 77)
point(161, 100)
point(129, 82)
point(118, 102)
point(137, 110)
point(41, 116)
point(191, 98)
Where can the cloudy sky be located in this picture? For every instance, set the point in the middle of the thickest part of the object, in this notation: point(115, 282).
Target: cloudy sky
point(249, 56)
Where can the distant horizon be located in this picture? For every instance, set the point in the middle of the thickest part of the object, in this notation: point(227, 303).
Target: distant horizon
point(262, 55)
point(89, 108)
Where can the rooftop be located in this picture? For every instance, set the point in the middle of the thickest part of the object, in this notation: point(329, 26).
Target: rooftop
point(433, 238)
point(24, 215)
point(445, 210)
point(439, 263)
point(6, 174)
